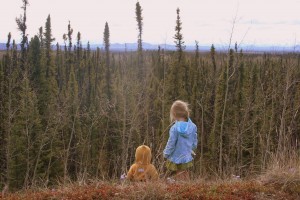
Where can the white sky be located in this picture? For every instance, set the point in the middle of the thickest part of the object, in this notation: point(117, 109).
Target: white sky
point(259, 22)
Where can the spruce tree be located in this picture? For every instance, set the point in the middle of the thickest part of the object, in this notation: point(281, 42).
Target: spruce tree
point(26, 136)
point(80, 64)
point(139, 19)
point(8, 41)
point(70, 32)
point(48, 42)
point(9, 105)
point(178, 82)
point(178, 36)
point(68, 54)
point(108, 73)
point(78, 47)
point(34, 57)
point(21, 22)
point(58, 63)
point(213, 59)
point(4, 134)
point(41, 37)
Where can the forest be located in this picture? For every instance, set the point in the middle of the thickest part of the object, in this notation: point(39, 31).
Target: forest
point(69, 113)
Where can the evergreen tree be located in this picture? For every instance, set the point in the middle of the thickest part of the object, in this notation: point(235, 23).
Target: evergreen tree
point(10, 75)
point(213, 59)
point(80, 62)
point(41, 37)
point(8, 41)
point(5, 66)
point(213, 82)
point(78, 47)
point(34, 57)
point(68, 54)
point(58, 63)
point(108, 73)
point(89, 74)
point(178, 83)
point(178, 36)
point(70, 32)
point(139, 19)
point(25, 136)
point(21, 22)
point(48, 41)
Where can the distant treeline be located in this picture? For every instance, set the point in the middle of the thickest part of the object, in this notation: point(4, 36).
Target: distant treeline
point(72, 114)
point(125, 47)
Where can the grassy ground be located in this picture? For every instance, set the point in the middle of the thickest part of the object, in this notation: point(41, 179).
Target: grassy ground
point(280, 181)
point(231, 189)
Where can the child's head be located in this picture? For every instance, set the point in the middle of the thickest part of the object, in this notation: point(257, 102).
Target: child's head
point(143, 155)
point(179, 110)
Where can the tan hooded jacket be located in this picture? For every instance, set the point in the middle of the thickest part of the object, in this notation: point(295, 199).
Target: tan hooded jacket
point(142, 169)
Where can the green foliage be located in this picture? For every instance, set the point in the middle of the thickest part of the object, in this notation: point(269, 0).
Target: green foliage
point(78, 113)
point(178, 36)
point(140, 62)
point(48, 41)
point(106, 37)
point(139, 19)
point(81, 134)
point(26, 135)
point(22, 26)
point(108, 70)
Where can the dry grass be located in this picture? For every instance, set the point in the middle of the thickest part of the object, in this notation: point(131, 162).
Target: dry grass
point(280, 181)
point(283, 173)
point(197, 189)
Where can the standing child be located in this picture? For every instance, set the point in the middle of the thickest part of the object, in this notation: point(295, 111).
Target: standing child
point(182, 141)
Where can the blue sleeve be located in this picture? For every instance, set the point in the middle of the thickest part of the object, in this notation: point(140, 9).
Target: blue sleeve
point(171, 142)
point(195, 140)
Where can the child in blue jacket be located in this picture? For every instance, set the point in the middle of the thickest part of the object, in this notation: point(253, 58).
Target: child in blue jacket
point(182, 141)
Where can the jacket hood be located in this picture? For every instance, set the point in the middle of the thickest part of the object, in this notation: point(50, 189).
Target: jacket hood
point(143, 155)
point(184, 128)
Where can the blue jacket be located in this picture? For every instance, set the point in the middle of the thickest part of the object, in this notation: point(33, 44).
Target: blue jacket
point(182, 141)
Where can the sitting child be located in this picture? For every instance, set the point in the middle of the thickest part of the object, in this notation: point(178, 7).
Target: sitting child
point(142, 169)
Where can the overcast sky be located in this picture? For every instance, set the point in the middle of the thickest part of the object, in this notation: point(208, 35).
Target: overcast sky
point(258, 22)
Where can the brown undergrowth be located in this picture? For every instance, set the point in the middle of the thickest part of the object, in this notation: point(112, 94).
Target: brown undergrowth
point(283, 173)
point(197, 189)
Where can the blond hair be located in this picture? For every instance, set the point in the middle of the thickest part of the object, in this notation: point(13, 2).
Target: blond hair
point(179, 109)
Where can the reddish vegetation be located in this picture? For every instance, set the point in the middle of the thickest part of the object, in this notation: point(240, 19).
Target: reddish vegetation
point(159, 190)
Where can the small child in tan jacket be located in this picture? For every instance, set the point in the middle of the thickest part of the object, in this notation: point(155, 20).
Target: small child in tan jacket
point(142, 169)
